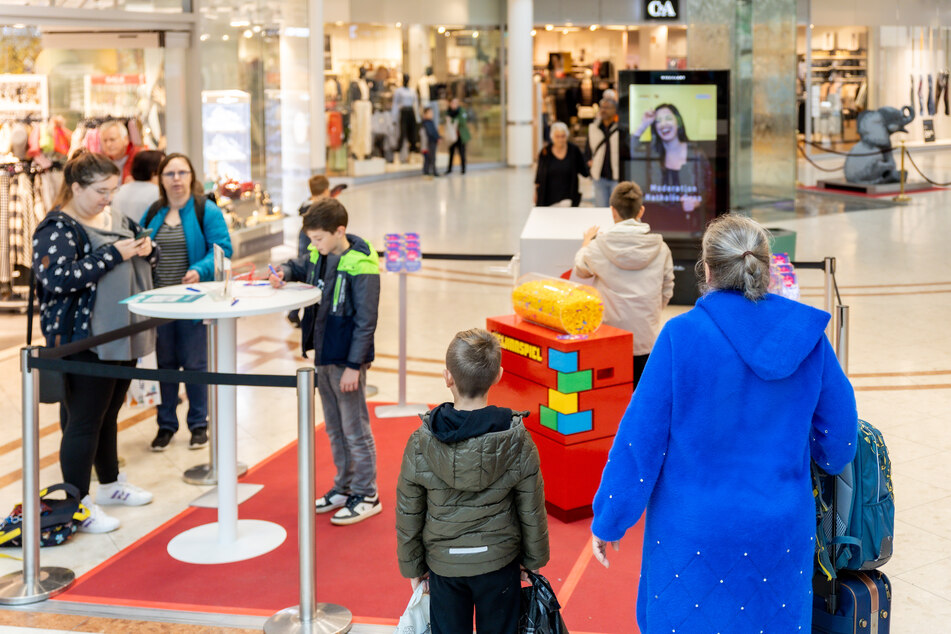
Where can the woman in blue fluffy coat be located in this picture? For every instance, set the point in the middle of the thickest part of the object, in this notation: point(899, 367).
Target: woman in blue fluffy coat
point(737, 396)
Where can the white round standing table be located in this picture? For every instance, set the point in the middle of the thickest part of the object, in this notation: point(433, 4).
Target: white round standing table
point(228, 539)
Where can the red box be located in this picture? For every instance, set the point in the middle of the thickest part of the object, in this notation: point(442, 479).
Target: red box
point(609, 352)
point(572, 474)
point(520, 394)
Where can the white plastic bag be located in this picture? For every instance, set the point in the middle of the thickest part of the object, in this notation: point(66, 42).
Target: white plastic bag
point(451, 135)
point(415, 619)
point(144, 393)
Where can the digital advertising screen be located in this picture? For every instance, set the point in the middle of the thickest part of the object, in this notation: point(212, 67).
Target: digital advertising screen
point(679, 123)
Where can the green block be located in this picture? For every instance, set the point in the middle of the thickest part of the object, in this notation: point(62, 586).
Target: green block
point(549, 417)
point(783, 241)
point(574, 382)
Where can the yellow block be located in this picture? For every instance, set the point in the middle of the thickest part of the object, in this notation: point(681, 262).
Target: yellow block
point(562, 403)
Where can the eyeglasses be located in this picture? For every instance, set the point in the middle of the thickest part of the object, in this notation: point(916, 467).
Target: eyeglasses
point(173, 175)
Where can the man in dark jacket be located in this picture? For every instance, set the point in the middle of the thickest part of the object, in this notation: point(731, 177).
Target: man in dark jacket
point(470, 499)
point(340, 330)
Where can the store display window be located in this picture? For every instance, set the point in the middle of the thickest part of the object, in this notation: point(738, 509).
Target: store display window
point(373, 120)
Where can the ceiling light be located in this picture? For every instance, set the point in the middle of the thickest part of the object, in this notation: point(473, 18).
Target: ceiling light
point(204, 37)
point(569, 24)
point(534, 32)
point(448, 34)
point(399, 24)
point(549, 27)
point(225, 38)
point(594, 27)
point(441, 29)
point(565, 32)
point(248, 33)
point(256, 28)
point(239, 23)
point(475, 34)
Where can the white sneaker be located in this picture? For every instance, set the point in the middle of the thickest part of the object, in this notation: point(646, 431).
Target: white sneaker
point(98, 521)
point(357, 509)
point(121, 492)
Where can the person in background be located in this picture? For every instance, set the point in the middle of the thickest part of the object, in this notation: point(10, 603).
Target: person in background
point(187, 258)
point(134, 198)
point(319, 188)
point(739, 395)
point(560, 163)
point(86, 260)
point(470, 499)
point(631, 268)
point(605, 151)
point(460, 118)
point(115, 143)
point(340, 330)
point(430, 141)
point(405, 111)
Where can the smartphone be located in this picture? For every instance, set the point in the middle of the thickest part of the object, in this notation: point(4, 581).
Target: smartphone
point(145, 233)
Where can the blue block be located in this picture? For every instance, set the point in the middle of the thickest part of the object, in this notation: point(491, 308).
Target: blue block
point(575, 423)
point(566, 362)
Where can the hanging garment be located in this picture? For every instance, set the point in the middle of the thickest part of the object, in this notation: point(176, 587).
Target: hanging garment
point(861, 99)
point(46, 139)
point(361, 140)
point(135, 132)
point(61, 140)
point(931, 102)
point(942, 91)
point(911, 95)
point(18, 198)
point(24, 251)
point(77, 139)
point(33, 142)
point(91, 142)
point(4, 139)
point(921, 99)
point(6, 274)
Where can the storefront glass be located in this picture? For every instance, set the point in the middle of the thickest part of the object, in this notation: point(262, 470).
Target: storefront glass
point(365, 65)
point(147, 6)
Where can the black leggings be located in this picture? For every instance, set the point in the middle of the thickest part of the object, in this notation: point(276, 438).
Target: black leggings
point(90, 435)
point(462, 155)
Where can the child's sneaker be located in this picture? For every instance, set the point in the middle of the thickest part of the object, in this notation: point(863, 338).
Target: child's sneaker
point(98, 521)
point(331, 501)
point(357, 509)
point(121, 492)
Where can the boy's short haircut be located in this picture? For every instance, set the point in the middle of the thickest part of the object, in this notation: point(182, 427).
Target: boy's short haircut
point(318, 184)
point(427, 109)
point(326, 214)
point(627, 198)
point(145, 164)
point(473, 358)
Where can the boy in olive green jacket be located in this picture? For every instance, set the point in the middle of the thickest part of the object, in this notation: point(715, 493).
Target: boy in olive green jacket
point(467, 472)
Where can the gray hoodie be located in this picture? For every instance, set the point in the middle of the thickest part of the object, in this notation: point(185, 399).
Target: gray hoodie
point(633, 271)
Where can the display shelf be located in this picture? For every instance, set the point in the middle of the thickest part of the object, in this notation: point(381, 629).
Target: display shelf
point(22, 95)
point(112, 95)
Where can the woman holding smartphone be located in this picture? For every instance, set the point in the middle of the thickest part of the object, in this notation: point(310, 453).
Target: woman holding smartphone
point(86, 259)
point(186, 226)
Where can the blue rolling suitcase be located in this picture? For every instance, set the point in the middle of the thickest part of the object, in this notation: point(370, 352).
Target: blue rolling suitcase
point(863, 605)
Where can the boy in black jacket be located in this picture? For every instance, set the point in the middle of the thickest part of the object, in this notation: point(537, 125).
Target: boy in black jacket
point(340, 330)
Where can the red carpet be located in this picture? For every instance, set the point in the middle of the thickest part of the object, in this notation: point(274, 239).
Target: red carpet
point(356, 565)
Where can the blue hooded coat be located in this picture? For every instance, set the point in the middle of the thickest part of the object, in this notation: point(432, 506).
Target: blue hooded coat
point(716, 444)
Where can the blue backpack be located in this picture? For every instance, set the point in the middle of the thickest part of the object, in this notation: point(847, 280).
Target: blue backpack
point(855, 510)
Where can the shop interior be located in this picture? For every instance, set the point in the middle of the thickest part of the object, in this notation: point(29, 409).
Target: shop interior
point(575, 65)
point(366, 63)
point(850, 69)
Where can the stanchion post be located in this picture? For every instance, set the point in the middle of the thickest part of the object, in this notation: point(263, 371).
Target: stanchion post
point(829, 296)
point(402, 409)
point(901, 197)
point(842, 340)
point(33, 583)
point(309, 617)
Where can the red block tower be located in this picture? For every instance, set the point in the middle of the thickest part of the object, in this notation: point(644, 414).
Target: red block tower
point(576, 390)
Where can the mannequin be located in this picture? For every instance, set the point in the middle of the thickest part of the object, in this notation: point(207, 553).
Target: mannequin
point(361, 141)
point(426, 96)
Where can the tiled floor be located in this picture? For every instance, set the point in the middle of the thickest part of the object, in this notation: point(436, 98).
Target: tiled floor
point(893, 272)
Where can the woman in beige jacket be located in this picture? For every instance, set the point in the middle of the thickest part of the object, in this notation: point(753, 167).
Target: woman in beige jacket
point(632, 269)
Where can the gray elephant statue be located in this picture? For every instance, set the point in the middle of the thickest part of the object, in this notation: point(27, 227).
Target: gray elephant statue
point(875, 129)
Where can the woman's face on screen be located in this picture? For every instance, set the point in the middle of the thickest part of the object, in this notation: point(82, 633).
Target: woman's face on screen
point(666, 124)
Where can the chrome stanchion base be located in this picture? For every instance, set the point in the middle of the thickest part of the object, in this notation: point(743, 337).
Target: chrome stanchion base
point(329, 619)
point(50, 581)
point(400, 411)
point(372, 391)
point(204, 474)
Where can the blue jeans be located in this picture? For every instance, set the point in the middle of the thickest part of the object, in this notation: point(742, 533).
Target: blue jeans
point(181, 344)
point(347, 421)
point(602, 192)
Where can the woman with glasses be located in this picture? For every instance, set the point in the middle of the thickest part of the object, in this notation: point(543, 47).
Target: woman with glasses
point(187, 258)
point(86, 258)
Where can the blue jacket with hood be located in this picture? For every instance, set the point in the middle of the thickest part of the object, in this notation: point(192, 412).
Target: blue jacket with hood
point(737, 396)
point(199, 241)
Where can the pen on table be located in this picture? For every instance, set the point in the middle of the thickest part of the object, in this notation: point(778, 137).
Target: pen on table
point(193, 290)
point(234, 301)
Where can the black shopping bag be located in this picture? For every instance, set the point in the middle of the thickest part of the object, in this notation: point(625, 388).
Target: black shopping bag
point(541, 613)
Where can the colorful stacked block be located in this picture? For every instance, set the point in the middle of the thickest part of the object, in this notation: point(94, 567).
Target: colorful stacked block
point(576, 391)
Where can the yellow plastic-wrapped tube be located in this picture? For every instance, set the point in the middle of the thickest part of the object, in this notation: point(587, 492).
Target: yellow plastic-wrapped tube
point(558, 304)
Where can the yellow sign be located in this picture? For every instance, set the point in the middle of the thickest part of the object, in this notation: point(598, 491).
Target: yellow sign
point(520, 348)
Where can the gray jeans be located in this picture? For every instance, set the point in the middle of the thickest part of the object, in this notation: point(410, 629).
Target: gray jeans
point(347, 421)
